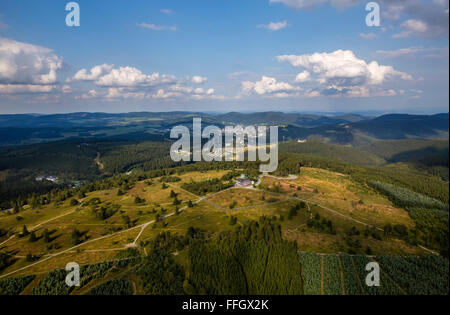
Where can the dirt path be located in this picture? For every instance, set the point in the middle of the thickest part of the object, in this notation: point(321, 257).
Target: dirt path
point(42, 223)
point(69, 250)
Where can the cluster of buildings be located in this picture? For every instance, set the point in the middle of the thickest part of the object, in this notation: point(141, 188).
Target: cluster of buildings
point(243, 182)
point(52, 179)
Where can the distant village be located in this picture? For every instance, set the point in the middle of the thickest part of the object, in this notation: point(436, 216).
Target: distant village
point(52, 179)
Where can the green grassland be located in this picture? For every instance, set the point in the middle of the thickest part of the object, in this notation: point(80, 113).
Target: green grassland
point(333, 214)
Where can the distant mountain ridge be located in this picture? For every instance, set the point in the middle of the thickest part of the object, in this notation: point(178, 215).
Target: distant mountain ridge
point(348, 129)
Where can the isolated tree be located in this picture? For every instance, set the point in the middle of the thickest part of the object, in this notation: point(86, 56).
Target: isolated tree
point(387, 229)
point(126, 220)
point(33, 237)
point(25, 231)
point(16, 208)
point(34, 201)
point(138, 200)
point(46, 236)
point(176, 202)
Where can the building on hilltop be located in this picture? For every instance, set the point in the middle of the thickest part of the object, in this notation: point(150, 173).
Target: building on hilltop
point(243, 182)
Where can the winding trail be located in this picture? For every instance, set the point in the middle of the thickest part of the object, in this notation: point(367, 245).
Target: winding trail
point(42, 223)
point(143, 226)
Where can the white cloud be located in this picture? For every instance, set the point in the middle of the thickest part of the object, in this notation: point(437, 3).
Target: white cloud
point(26, 88)
point(22, 63)
point(115, 93)
point(400, 52)
point(93, 74)
point(66, 89)
point(430, 52)
point(198, 79)
point(413, 27)
point(368, 35)
point(342, 73)
point(156, 27)
point(161, 94)
point(108, 76)
point(89, 95)
point(166, 11)
point(274, 26)
point(422, 17)
point(129, 77)
point(344, 68)
point(132, 83)
point(312, 94)
point(308, 4)
point(302, 77)
point(268, 85)
point(197, 94)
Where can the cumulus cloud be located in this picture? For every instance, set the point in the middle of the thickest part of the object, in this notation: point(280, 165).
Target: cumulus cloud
point(268, 85)
point(114, 93)
point(198, 79)
point(341, 72)
point(129, 77)
point(274, 26)
point(117, 83)
point(412, 27)
point(156, 27)
point(22, 63)
point(93, 74)
point(66, 89)
point(89, 95)
point(108, 76)
point(415, 27)
point(342, 66)
point(187, 93)
point(302, 77)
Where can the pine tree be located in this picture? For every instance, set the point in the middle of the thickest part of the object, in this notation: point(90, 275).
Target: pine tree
point(25, 231)
point(33, 237)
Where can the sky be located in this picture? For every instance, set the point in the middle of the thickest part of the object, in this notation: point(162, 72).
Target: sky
point(224, 55)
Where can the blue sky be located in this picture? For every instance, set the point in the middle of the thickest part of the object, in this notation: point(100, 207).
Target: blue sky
point(224, 55)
